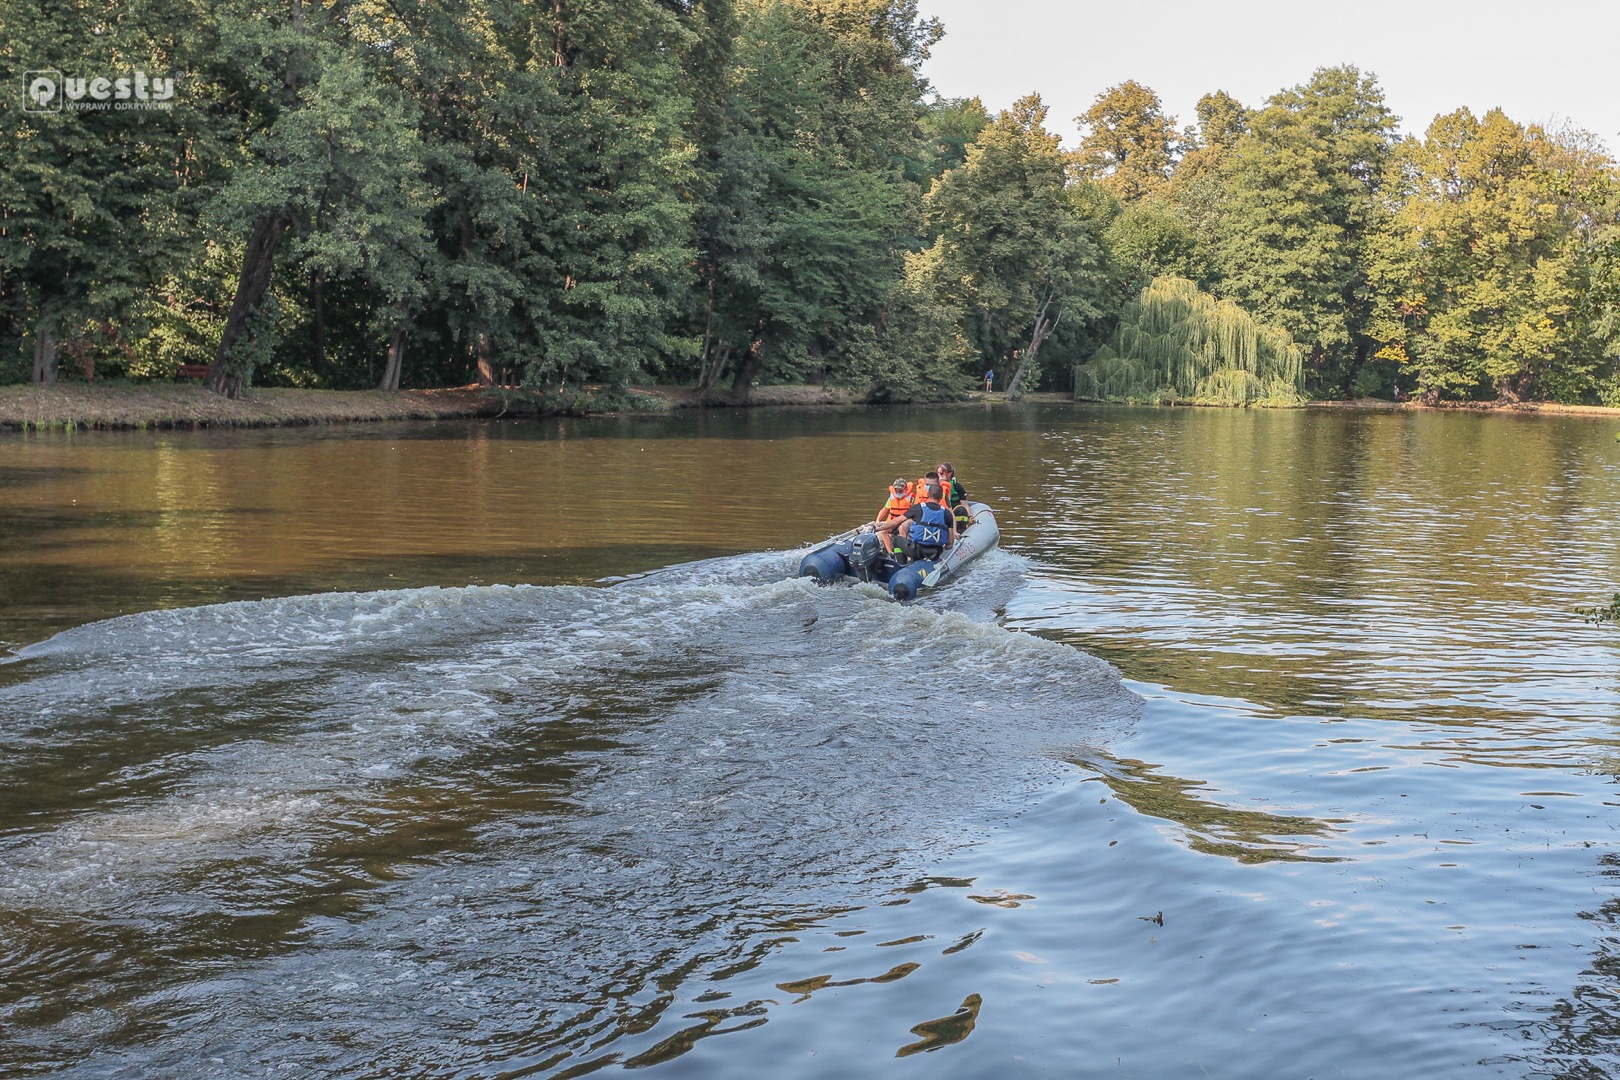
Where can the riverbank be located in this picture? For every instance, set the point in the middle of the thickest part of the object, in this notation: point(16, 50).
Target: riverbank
point(112, 406)
point(1553, 408)
point(172, 405)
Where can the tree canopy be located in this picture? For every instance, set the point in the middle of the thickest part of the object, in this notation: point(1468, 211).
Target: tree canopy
point(579, 196)
point(1127, 143)
point(1011, 252)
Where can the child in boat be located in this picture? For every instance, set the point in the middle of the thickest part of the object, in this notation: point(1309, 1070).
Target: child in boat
point(955, 494)
point(900, 500)
point(894, 511)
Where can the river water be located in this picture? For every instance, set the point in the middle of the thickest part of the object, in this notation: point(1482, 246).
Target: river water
point(1270, 745)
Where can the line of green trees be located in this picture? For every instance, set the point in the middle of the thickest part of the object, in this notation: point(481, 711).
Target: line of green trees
point(726, 192)
point(1476, 262)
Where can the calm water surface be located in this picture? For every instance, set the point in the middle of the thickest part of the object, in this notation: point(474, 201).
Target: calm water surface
point(1270, 746)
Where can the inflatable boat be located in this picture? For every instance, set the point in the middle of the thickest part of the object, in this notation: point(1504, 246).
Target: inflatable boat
point(859, 556)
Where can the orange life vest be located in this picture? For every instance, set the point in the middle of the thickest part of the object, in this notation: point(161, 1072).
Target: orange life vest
point(896, 507)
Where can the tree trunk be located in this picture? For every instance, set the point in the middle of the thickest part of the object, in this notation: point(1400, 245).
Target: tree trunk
point(46, 346)
point(559, 40)
point(317, 304)
point(228, 373)
point(713, 367)
point(1043, 330)
point(486, 366)
point(396, 361)
point(708, 337)
point(747, 368)
point(716, 351)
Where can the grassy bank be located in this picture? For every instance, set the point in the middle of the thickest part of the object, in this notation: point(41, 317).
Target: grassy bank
point(166, 405)
point(1552, 408)
point(172, 405)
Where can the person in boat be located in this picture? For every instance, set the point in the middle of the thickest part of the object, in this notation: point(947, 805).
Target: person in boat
point(929, 528)
point(920, 485)
point(916, 490)
point(902, 497)
point(895, 508)
point(955, 494)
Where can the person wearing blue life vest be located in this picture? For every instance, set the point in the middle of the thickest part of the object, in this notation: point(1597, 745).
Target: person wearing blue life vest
point(895, 524)
point(929, 528)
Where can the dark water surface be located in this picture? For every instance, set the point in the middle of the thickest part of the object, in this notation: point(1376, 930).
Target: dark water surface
point(331, 752)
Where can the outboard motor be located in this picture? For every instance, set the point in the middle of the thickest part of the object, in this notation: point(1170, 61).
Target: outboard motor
point(865, 552)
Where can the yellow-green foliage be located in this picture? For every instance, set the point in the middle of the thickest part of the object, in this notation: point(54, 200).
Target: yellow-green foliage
point(1177, 343)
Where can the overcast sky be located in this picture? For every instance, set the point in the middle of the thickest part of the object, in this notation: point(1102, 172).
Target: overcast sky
point(1539, 60)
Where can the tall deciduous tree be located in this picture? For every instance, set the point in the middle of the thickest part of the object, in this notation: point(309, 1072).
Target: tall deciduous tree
point(1487, 264)
point(1303, 200)
point(90, 199)
point(280, 54)
point(1012, 252)
point(608, 199)
point(800, 240)
point(343, 172)
point(1127, 143)
point(949, 127)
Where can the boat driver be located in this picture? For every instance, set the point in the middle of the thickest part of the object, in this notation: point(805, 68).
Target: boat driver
point(928, 528)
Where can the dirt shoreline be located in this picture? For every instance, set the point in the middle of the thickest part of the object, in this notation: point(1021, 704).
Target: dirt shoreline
point(175, 405)
point(1549, 407)
point(118, 406)
point(126, 406)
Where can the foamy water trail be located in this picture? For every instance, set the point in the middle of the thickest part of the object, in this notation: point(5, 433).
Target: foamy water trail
point(482, 817)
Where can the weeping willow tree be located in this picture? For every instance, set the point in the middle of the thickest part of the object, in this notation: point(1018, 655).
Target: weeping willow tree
point(1177, 343)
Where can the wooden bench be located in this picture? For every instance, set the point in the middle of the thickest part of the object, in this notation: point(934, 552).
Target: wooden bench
point(193, 371)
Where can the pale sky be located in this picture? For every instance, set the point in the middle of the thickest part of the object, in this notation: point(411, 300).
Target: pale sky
point(1538, 60)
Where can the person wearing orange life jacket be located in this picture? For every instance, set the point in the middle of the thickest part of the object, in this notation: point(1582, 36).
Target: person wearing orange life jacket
point(920, 485)
point(915, 490)
point(894, 511)
point(900, 501)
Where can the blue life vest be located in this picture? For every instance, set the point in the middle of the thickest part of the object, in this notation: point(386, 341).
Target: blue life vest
point(934, 530)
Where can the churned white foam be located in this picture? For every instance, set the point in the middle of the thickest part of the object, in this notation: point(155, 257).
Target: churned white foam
point(121, 855)
point(528, 789)
point(277, 627)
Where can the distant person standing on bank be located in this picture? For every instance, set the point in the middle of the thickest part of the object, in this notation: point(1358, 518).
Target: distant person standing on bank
point(989, 379)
